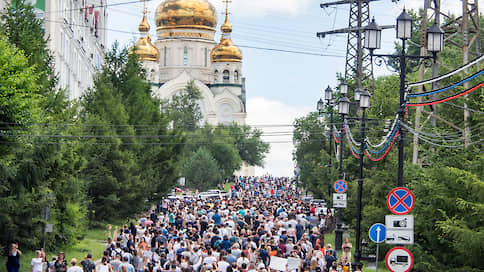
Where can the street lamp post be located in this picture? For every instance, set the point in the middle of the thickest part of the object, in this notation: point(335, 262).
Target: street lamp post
point(328, 96)
point(364, 98)
point(404, 31)
point(343, 109)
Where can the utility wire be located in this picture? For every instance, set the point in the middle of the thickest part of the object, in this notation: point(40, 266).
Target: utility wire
point(464, 108)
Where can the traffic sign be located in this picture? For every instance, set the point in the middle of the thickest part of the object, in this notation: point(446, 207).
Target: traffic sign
point(377, 233)
point(399, 229)
point(340, 186)
point(400, 201)
point(339, 200)
point(399, 259)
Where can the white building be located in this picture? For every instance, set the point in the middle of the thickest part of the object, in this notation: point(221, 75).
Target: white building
point(77, 39)
point(185, 50)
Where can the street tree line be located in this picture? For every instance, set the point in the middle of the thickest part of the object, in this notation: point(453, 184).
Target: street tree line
point(447, 183)
point(105, 157)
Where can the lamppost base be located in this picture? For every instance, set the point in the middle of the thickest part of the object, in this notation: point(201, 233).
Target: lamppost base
point(356, 266)
point(338, 240)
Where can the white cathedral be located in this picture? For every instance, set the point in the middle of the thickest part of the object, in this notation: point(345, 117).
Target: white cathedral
point(185, 50)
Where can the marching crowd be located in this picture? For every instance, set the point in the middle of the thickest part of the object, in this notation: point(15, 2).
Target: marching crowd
point(263, 220)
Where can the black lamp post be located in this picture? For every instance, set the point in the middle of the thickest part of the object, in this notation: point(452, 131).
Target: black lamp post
point(364, 98)
point(328, 96)
point(404, 31)
point(343, 109)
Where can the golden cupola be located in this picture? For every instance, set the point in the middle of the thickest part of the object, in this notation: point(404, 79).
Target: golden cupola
point(226, 50)
point(143, 47)
point(191, 14)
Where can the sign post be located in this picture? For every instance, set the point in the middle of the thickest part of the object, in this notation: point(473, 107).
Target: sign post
point(377, 234)
point(399, 227)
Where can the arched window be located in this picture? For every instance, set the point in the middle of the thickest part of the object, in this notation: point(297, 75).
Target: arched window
point(226, 76)
point(236, 75)
point(215, 76)
point(185, 56)
point(153, 75)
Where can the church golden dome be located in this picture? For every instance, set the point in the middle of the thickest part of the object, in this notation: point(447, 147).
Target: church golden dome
point(144, 26)
point(194, 14)
point(226, 50)
point(145, 50)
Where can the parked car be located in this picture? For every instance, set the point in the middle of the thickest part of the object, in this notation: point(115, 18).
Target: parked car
point(218, 194)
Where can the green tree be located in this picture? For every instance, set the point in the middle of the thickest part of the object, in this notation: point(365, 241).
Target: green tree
point(134, 158)
point(201, 170)
point(310, 137)
point(252, 149)
point(184, 108)
point(33, 170)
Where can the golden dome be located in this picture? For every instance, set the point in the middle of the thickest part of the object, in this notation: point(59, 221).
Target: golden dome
point(144, 26)
point(198, 14)
point(145, 50)
point(226, 51)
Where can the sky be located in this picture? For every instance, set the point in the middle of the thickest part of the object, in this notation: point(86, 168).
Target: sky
point(281, 86)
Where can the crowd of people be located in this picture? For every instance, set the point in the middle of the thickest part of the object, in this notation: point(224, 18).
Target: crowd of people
point(262, 221)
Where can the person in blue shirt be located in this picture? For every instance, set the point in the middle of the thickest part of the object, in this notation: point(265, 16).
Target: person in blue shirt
point(216, 218)
point(226, 244)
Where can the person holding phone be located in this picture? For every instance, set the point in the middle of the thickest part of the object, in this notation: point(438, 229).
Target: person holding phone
point(13, 259)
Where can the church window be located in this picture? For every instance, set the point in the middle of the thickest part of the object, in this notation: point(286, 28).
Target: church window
point(215, 76)
point(164, 57)
point(226, 76)
point(185, 56)
point(236, 75)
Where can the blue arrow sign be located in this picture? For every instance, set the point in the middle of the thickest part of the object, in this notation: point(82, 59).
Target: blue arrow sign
point(377, 233)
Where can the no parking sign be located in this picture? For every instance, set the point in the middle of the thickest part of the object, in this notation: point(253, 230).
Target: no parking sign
point(340, 186)
point(400, 201)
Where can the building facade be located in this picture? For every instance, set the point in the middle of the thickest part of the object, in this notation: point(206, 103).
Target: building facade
point(76, 35)
point(185, 50)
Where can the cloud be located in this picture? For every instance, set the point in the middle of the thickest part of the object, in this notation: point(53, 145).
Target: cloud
point(264, 7)
point(261, 111)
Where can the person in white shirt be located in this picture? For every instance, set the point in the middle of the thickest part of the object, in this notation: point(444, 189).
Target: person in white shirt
point(243, 259)
point(223, 264)
point(209, 259)
point(36, 262)
point(74, 267)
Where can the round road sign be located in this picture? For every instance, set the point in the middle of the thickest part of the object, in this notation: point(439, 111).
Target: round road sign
point(377, 233)
point(399, 259)
point(340, 186)
point(400, 201)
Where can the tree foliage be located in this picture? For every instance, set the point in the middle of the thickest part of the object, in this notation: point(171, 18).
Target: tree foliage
point(184, 108)
point(201, 170)
point(447, 183)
